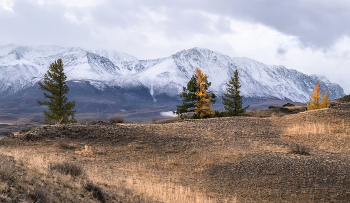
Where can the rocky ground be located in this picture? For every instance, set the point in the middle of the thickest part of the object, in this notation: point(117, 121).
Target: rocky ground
point(284, 154)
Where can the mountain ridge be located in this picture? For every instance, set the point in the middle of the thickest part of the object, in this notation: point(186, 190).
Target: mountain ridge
point(22, 67)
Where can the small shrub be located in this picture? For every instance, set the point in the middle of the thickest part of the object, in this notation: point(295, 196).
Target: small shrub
point(298, 149)
point(96, 192)
point(66, 146)
point(278, 114)
point(154, 121)
point(67, 168)
point(24, 131)
point(220, 114)
point(3, 187)
point(117, 119)
point(288, 104)
point(7, 169)
point(38, 196)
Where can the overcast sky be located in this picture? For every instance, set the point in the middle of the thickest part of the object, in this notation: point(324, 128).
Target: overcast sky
point(312, 36)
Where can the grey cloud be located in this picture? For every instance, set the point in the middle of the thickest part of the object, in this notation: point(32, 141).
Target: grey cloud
point(316, 27)
point(33, 24)
point(281, 51)
point(314, 23)
point(223, 26)
point(115, 14)
point(186, 25)
point(317, 24)
point(182, 22)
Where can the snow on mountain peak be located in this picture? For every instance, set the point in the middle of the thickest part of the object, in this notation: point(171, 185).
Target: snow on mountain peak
point(23, 66)
point(115, 55)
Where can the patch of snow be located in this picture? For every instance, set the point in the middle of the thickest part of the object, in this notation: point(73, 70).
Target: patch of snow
point(168, 114)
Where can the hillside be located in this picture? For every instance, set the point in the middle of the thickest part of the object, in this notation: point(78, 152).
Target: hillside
point(299, 157)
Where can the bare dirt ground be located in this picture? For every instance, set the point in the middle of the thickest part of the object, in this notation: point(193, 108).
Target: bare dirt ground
point(274, 157)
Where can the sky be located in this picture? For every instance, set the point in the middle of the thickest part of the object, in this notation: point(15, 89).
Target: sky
point(311, 36)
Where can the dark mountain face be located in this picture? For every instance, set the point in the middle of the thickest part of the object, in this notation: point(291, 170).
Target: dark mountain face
point(135, 104)
point(88, 99)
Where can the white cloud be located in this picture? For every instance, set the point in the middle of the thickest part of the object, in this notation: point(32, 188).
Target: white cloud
point(6, 5)
point(69, 3)
point(81, 3)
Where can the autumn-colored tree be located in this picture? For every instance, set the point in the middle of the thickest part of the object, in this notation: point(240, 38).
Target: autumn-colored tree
point(315, 99)
point(325, 100)
point(189, 97)
point(232, 100)
point(202, 109)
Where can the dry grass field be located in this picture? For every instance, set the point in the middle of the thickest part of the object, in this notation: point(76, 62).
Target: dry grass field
point(264, 157)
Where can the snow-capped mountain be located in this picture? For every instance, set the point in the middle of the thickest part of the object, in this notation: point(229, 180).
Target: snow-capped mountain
point(22, 67)
point(258, 80)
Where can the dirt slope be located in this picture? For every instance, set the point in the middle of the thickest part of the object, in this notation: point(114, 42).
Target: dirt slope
point(238, 159)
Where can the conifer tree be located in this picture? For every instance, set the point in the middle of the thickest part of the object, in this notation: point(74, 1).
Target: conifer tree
point(189, 97)
point(203, 104)
point(59, 108)
point(325, 100)
point(232, 100)
point(315, 99)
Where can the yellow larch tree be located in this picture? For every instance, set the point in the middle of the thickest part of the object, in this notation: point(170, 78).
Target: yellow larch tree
point(202, 109)
point(315, 100)
point(325, 100)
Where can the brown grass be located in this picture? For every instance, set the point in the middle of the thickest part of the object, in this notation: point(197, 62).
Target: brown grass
point(39, 195)
point(299, 149)
point(96, 192)
point(122, 182)
point(265, 113)
point(117, 119)
point(340, 126)
point(332, 136)
point(173, 162)
point(67, 168)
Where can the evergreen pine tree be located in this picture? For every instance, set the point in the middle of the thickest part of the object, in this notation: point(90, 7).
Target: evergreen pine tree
point(189, 97)
point(59, 108)
point(203, 104)
point(232, 100)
